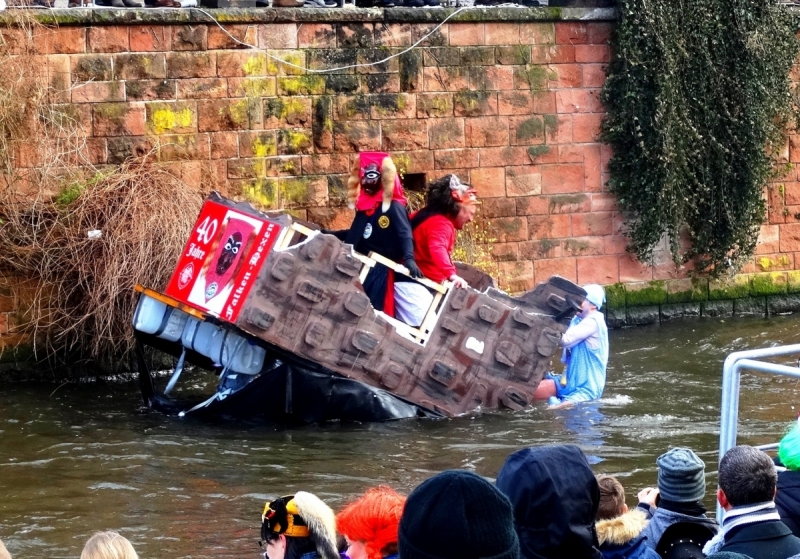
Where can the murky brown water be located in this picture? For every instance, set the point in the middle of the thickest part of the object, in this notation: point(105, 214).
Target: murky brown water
point(87, 457)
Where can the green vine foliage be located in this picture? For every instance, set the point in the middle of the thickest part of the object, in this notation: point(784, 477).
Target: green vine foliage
point(698, 102)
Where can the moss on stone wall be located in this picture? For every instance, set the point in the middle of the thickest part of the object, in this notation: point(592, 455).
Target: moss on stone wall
point(729, 288)
point(644, 294)
point(768, 284)
point(615, 296)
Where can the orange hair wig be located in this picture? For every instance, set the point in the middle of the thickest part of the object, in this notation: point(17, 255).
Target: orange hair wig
point(373, 519)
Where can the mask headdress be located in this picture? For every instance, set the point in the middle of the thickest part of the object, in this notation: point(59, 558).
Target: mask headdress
point(462, 193)
point(375, 172)
point(301, 515)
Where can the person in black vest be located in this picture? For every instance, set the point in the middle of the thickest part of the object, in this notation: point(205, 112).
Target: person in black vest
point(380, 224)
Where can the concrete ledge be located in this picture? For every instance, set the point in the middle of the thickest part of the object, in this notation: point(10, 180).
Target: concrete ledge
point(760, 294)
point(116, 16)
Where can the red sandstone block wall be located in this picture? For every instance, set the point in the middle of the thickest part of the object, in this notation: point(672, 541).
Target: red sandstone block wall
point(512, 108)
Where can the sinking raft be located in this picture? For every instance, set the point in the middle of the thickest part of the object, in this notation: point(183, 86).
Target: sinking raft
point(285, 322)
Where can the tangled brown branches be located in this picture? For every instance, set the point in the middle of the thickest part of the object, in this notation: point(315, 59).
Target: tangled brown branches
point(83, 236)
point(124, 226)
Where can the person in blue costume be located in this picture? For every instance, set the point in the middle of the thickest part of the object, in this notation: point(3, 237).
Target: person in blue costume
point(298, 526)
point(585, 356)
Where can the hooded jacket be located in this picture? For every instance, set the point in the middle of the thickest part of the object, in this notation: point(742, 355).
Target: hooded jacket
point(787, 500)
point(663, 518)
point(621, 537)
point(555, 498)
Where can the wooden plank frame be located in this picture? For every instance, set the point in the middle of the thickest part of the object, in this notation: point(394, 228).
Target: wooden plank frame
point(420, 334)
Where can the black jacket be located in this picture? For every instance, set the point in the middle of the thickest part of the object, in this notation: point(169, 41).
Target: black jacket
point(555, 498)
point(787, 500)
point(764, 540)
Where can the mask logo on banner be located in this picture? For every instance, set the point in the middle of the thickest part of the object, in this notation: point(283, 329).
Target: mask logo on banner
point(368, 231)
point(186, 275)
point(232, 246)
point(226, 257)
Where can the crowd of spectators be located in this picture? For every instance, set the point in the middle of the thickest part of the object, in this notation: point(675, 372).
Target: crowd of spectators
point(546, 503)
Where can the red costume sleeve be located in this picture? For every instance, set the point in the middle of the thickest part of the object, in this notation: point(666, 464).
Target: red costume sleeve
point(434, 240)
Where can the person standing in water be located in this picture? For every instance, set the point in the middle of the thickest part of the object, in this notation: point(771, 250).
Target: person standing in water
point(585, 356)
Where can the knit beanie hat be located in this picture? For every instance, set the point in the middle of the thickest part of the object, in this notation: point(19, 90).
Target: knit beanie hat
point(681, 476)
point(457, 515)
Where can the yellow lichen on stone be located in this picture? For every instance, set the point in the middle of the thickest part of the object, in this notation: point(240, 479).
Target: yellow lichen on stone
point(766, 263)
point(440, 104)
point(255, 87)
point(295, 140)
point(263, 148)
point(291, 107)
point(255, 66)
point(260, 193)
point(165, 120)
point(238, 111)
point(402, 162)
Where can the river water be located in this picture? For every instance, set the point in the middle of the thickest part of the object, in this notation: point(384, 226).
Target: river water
point(82, 457)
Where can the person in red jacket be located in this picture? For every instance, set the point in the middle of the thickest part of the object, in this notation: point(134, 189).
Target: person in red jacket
point(450, 206)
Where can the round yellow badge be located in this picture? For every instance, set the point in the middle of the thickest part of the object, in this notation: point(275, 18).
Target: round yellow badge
point(383, 222)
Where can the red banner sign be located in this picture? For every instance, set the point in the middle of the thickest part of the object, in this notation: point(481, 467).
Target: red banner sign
point(221, 260)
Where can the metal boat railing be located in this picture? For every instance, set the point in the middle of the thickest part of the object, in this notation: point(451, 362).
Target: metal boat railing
point(735, 363)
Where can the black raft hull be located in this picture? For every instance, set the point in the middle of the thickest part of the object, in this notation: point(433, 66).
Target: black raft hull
point(289, 390)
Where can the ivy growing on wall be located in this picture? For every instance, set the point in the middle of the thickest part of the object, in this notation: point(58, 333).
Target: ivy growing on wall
point(698, 102)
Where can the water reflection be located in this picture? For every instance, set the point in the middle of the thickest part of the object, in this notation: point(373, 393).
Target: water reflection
point(584, 423)
point(87, 457)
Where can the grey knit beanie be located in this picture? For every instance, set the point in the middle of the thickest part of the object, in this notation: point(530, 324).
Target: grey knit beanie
point(457, 515)
point(681, 476)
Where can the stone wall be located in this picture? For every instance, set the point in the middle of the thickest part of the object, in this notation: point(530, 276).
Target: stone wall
point(510, 106)
point(505, 98)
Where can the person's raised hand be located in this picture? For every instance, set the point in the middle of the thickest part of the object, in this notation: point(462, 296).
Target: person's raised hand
point(413, 269)
point(648, 496)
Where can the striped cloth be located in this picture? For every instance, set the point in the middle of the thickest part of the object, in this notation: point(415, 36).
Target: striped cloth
point(739, 516)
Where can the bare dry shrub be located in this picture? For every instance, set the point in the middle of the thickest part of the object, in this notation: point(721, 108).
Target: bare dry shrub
point(51, 197)
point(85, 296)
point(473, 244)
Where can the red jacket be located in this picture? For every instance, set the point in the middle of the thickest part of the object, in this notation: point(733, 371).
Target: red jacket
point(434, 240)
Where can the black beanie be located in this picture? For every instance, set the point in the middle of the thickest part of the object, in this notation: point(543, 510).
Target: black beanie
point(457, 515)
